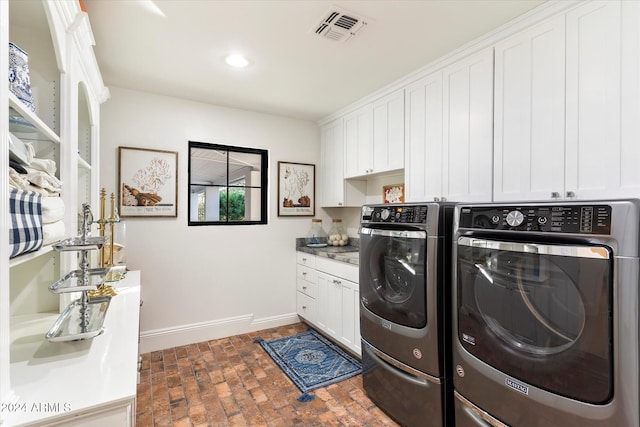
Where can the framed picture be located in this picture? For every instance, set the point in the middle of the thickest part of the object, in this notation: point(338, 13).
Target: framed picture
point(393, 193)
point(148, 182)
point(296, 189)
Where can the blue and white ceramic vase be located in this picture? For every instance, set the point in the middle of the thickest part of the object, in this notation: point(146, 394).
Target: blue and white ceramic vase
point(19, 81)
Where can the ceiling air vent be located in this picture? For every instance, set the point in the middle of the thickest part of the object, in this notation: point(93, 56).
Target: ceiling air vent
point(339, 25)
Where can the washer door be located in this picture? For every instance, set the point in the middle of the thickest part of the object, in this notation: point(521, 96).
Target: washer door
point(392, 275)
point(539, 313)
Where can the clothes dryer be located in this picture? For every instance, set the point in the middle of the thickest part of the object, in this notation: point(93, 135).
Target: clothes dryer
point(545, 329)
point(405, 316)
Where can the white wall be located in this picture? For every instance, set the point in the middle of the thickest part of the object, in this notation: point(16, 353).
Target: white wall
point(206, 282)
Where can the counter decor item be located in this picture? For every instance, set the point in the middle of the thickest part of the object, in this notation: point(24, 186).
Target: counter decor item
point(337, 235)
point(84, 317)
point(148, 182)
point(296, 189)
point(19, 79)
point(316, 236)
point(393, 193)
point(112, 254)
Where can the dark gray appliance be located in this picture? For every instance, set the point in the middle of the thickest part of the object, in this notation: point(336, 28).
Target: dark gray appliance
point(546, 328)
point(405, 311)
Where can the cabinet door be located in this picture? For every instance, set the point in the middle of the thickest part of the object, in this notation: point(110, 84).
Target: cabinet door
point(358, 140)
point(329, 308)
point(350, 315)
point(468, 129)
point(388, 133)
point(332, 167)
point(423, 132)
point(529, 113)
point(602, 48)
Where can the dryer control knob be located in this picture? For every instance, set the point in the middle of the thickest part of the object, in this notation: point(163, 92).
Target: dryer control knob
point(385, 214)
point(515, 218)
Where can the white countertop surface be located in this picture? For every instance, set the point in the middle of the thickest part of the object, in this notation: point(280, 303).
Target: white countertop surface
point(52, 380)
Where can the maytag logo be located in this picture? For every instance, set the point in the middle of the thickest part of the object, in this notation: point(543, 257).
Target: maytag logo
point(385, 324)
point(517, 386)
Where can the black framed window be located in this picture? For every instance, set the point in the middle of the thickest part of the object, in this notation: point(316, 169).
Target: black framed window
point(227, 184)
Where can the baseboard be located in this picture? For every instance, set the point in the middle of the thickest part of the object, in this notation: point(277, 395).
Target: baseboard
point(160, 339)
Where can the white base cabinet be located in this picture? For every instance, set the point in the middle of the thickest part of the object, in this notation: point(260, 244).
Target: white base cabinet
point(306, 287)
point(80, 383)
point(328, 298)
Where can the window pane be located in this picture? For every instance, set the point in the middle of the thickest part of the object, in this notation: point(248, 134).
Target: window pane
point(226, 184)
point(244, 169)
point(208, 167)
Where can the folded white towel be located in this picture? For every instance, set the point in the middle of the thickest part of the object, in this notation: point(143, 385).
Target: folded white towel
point(52, 209)
point(44, 165)
point(17, 180)
point(43, 179)
point(52, 232)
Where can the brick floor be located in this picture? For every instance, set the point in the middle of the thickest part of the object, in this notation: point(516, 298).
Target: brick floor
point(233, 382)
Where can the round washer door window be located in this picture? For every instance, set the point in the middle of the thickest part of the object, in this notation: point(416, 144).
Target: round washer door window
point(529, 303)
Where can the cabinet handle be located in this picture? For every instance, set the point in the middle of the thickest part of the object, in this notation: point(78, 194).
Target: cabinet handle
point(304, 287)
point(337, 282)
point(555, 195)
point(436, 199)
point(571, 195)
point(444, 199)
point(304, 307)
point(339, 203)
point(304, 273)
point(304, 260)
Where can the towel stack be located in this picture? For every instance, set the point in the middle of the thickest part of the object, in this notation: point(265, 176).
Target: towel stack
point(30, 173)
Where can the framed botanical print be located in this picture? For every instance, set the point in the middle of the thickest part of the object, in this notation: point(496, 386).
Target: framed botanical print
point(148, 182)
point(296, 189)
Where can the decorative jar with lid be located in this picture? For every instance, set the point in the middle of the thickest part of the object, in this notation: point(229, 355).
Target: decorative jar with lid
point(337, 235)
point(316, 234)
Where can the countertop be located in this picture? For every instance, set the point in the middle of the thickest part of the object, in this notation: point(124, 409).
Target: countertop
point(349, 254)
point(54, 380)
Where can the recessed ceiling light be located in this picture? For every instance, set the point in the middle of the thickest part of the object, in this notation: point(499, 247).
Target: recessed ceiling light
point(237, 61)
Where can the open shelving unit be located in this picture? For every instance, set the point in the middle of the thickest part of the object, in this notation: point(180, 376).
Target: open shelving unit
point(67, 89)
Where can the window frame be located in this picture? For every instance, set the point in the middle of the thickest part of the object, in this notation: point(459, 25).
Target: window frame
point(264, 181)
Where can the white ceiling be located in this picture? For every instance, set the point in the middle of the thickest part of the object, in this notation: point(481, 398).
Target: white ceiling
point(177, 47)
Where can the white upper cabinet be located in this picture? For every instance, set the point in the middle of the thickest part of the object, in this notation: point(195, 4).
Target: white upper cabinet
point(570, 131)
point(374, 137)
point(332, 158)
point(602, 112)
point(468, 129)
point(388, 133)
point(423, 146)
point(358, 140)
point(449, 119)
point(336, 191)
point(529, 114)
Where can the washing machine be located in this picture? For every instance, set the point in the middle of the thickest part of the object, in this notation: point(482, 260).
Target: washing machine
point(405, 311)
point(545, 326)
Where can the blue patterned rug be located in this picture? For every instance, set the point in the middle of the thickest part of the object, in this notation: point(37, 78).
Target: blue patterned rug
point(311, 361)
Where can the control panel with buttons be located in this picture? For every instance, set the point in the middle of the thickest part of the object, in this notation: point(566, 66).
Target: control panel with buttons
point(582, 219)
point(405, 214)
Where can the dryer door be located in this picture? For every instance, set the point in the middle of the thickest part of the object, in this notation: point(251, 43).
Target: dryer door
point(539, 313)
point(392, 275)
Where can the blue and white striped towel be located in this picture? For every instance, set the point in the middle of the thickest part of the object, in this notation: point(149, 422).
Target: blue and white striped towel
point(25, 233)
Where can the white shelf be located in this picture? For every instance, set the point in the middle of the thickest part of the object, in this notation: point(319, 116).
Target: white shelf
point(30, 256)
point(44, 131)
point(83, 164)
